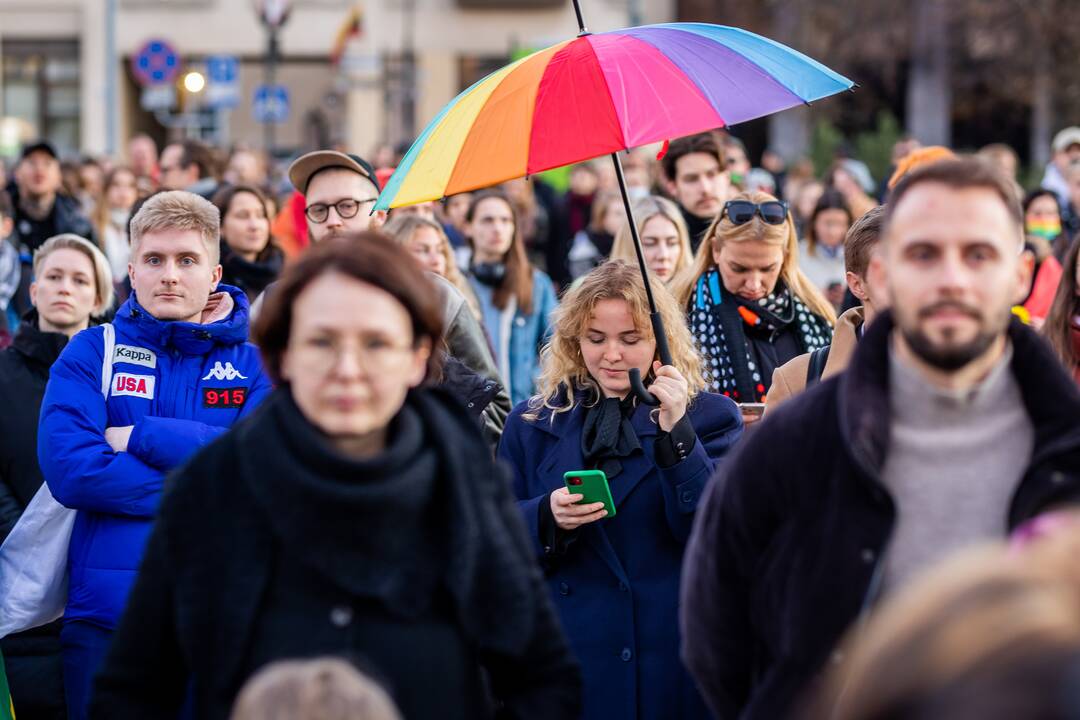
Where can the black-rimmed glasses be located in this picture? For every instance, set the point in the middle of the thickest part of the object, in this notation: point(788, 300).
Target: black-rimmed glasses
point(346, 208)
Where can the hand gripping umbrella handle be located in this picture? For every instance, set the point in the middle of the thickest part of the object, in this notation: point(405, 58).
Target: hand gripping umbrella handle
point(636, 385)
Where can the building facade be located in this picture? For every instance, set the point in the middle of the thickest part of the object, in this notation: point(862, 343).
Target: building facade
point(357, 74)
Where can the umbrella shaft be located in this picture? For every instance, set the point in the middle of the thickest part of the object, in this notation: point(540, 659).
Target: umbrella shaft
point(654, 314)
point(582, 30)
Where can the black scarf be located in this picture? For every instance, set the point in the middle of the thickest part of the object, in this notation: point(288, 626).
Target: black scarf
point(608, 435)
point(372, 527)
point(432, 510)
point(251, 277)
point(719, 321)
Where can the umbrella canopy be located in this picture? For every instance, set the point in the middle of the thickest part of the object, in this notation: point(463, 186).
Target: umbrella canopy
point(601, 93)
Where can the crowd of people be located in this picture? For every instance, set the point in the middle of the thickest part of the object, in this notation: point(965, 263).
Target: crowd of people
point(307, 455)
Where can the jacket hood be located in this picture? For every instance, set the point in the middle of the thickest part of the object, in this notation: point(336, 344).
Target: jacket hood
point(187, 337)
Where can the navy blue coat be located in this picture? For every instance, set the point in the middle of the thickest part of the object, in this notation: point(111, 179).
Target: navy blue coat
point(616, 588)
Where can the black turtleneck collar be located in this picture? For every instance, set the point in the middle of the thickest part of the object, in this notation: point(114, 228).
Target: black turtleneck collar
point(41, 347)
point(346, 518)
point(697, 227)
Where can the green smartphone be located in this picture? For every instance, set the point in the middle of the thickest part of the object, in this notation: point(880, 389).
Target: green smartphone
point(593, 485)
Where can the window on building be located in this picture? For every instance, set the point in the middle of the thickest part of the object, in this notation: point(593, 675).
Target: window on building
point(41, 88)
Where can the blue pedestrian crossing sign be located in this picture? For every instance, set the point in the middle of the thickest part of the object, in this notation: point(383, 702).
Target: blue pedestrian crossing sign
point(156, 63)
point(223, 81)
point(271, 104)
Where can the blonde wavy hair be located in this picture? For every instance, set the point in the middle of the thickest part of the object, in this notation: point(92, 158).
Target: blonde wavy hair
point(402, 228)
point(562, 364)
point(723, 230)
point(645, 210)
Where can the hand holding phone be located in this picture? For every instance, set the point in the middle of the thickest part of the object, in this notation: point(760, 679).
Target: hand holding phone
point(751, 412)
point(585, 499)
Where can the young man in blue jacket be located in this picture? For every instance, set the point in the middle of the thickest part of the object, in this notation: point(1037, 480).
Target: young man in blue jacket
point(128, 402)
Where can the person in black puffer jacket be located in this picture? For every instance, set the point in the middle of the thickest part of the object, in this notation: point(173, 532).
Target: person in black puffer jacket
point(73, 283)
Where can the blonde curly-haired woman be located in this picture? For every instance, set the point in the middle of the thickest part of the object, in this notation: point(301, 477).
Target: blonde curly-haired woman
point(615, 580)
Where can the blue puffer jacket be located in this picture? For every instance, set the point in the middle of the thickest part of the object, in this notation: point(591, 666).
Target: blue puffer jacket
point(180, 385)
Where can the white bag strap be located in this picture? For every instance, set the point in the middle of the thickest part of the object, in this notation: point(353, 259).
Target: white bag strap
point(107, 358)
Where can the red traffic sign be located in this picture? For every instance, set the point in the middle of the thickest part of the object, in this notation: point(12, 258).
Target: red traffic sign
point(156, 63)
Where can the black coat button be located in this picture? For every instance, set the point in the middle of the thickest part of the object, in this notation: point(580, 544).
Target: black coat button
point(626, 655)
point(564, 589)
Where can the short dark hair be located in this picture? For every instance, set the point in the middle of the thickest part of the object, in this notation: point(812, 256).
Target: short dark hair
point(960, 174)
point(370, 257)
point(861, 239)
point(701, 143)
point(196, 153)
point(7, 210)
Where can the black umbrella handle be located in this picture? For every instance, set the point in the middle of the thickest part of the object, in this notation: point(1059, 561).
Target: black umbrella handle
point(636, 385)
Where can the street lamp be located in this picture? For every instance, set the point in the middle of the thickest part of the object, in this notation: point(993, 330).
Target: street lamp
point(273, 14)
point(194, 82)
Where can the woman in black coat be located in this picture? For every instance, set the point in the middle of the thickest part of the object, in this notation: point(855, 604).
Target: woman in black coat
point(71, 284)
point(353, 514)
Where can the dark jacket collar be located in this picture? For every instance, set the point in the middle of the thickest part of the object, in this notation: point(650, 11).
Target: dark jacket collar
point(187, 337)
point(1051, 397)
point(38, 347)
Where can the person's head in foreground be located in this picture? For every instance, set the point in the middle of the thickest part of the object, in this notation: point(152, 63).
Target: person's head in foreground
point(319, 689)
point(350, 328)
point(986, 635)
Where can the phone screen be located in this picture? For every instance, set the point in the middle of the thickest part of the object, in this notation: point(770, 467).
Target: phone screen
point(752, 408)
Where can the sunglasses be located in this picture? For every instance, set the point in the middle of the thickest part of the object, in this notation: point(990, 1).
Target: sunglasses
point(740, 212)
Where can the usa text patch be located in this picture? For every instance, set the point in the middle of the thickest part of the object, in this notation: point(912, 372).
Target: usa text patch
point(134, 385)
point(135, 356)
point(224, 398)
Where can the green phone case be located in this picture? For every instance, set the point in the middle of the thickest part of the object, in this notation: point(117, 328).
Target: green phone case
point(593, 485)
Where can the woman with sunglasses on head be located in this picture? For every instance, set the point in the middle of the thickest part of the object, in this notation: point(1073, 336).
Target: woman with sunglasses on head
point(615, 576)
point(515, 297)
point(748, 304)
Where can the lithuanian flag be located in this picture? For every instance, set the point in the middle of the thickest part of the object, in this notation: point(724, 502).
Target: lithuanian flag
point(7, 710)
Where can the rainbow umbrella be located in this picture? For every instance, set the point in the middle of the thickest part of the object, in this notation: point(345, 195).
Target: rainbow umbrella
point(598, 94)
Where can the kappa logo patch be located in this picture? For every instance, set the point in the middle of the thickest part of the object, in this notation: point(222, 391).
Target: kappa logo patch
point(228, 372)
point(141, 386)
point(224, 398)
point(135, 356)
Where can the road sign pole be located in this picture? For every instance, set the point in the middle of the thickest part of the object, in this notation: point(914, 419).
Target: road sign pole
point(271, 62)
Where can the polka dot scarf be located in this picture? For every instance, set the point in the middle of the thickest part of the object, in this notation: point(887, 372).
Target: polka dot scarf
point(719, 320)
